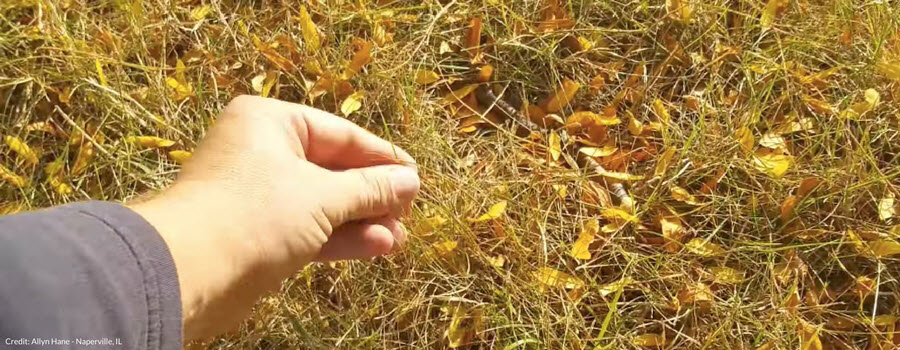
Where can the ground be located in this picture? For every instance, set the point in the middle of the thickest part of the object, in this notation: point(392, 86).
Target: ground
point(703, 175)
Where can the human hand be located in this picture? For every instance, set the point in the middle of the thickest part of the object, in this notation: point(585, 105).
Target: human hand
point(273, 186)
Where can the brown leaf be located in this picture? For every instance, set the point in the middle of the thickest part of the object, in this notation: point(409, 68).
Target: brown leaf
point(362, 57)
point(561, 97)
point(473, 38)
point(787, 207)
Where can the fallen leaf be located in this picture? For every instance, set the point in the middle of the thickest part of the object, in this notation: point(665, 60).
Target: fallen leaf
point(886, 207)
point(83, 159)
point(308, 28)
point(864, 286)
point(22, 149)
point(772, 9)
point(884, 247)
point(710, 185)
point(561, 97)
point(181, 90)
point(352, 103)
point(696, 293)
point(497, 261)
point(809, 336)
point(459, 94)
point(807, 186)
point(200, 12)
point(857, 110)
point(548, 277)
point(560, 190)
point(616, 214)
point(465, 324)
point(662, 113)
point(585, 238)
point(672, 231)
point(663, 163)
point(745, 138)
point(149, 141)
point(495, 212)
point(680, 10)
point(426, 76)
point(10, 177)
point(772, 140)
point(817, 105)
point(682, 195)
point(598, 151)
point(705, 248)
point(635, 127)
point(100, 75)
point(787, 207)
point(180, 156)
point(553, 145)
point(430, 224)
point(649, 340)
point(362, 57)
point(444, 248)
point(473, 38)
point(889, 69)
point(619, 176)
point(615, 287)
point(772, 162)
point(726, 275)
point(484, 73)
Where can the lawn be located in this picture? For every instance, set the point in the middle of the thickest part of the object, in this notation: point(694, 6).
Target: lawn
point(670, 174)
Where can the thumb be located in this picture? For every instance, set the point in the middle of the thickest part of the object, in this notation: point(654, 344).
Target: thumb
point(375, 191)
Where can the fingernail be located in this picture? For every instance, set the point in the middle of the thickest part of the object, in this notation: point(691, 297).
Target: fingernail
point(405, 182)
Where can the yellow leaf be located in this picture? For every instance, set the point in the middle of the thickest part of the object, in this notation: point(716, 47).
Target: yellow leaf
point(614, 287)
point(726, 275)
point(465, 324)
point(585, 238)
point(635, 127)
point(682, 195)
point(772, 9)
point(617, 214)
point(444, 248)
point(604, 151)
point(352, 103)
point(886, 207)
point(85, 154)
point(695, 293)
point(663, 163)
point(59, 186)
point(705, 248)
point(200, 12)
point(149, 141)
point(817, 105)
point(548, 277)
point(889, 69)
point(584, 119)
point(180, 156)
point(11, 207)
point(497, 261)
point(496, 211)
point(10, 177)
point(310, 33)
point(745, 138)
point(430, 224)
point(856, 110)
point(662, 113)
point(460, 94)
point(426, 76)
point(772, 162)
point(362, 57)
point(672, 231)
point(100, 75)
point(620, 176)
point(22, 149)
point(554, 145)
point(649, 340)
point(561, 97)
point(181, 90)
point(884, 247)
point(680, 10)
point(809, 336)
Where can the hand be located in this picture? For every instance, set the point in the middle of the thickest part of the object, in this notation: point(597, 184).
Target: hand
point(273, 186)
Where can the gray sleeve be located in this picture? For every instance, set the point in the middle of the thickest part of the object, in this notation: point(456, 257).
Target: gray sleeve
point(86, 275)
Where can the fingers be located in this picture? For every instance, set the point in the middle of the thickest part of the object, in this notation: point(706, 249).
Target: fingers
point(337, 143)
point(371, 192)
point(363, 239)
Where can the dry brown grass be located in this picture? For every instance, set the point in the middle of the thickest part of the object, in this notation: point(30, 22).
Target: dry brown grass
point(800, 272)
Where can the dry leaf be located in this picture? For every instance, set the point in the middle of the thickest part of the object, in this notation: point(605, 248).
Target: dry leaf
point(807, 186)
point(745, 138)
point(465, 324)
point(772, 140)
point(473, 38)
point(496, 211)
point(200, 12)
point(560, 190)
point(726, 275)
point(426, 76)
point(663, 163)
point(680, 10)
point(889, 69)
point(884, 247)
point(857, 110)
point(886, 207)
point(430, 224)
point(149, 141)
point(352, 103)
point(10, 177)
point(616, 214)
point(444, 248)
point(100, 75)
point(619, 176)
point(497, 261)
point(310, 33)
point(459, 94)
point(585, 238)
point(561, 97)
point(587, 119)
point(548, 277)
point(787, 207)
point(604, 151)
point(662, 113)
point(553, 145)
point(696, 293)
point(672, 231)
point(682, 195)
point(615, 287)
point(22, 149)
point(864, 286)
point(809, 336)
point(635, 127)
point(362, 57)
point(705, 248)
point(772, 162)
point(772, 9)
point(485, 73)
point(817, 105)
point(180, 156)
point(83, 159)
point(649, 340)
